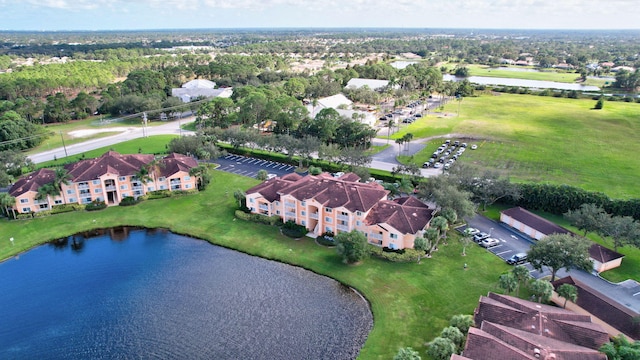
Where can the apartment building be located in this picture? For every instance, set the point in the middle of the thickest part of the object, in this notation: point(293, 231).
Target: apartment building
point(109, 178)
point(324, 203)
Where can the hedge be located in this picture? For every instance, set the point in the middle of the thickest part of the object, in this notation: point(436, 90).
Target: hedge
point(263, 219)
point(407, 255)
point(95, 205)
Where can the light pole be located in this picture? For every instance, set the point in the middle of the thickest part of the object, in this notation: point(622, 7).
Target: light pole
point(63, 145)
point(490, 230)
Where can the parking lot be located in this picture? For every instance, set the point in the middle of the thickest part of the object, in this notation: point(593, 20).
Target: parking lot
point(511, 242)
point(247, 166)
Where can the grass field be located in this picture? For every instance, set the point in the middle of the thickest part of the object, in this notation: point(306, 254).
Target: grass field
point(411, 302)
point(521, 72)
point(544, 139)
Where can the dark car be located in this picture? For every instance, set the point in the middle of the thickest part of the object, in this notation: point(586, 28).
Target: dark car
point(418, 115)
point(480, 236)
point(518, 258)
point(426, 164)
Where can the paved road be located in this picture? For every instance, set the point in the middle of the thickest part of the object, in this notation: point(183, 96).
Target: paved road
point(626, 293)
point(172, 128)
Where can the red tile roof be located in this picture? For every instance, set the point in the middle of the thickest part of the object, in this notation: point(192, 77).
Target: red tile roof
point(109, 163)
point(32, 182)
point(512, 328)
point(535, 222)
point(175, 163)
point(602, 254)
point(407, 215)
point(608, 310)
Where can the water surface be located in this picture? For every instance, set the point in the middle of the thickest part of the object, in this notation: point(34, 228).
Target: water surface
point(154, 294)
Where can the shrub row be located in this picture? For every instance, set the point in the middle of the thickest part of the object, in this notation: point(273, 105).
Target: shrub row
point(63, 208)
point(262, 219)
point(128, 201)
point(558, 199)
point(95, 205)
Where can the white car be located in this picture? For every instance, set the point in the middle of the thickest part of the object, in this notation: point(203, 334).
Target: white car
point(474, 146)
point(489, 242)
point(471, 231)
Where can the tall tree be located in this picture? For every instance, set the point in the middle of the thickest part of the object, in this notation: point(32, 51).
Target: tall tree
point(623, 230)
point(421, 245)
point(588, 218)
point(508, 282)
point(542, 290)
point(522, 275)
point(441, 348)
point(462, 321)
point(465, 240)
point(352, 246)
point(568, 292)
point(7, 201)
point(455, 335)
point(558, 251)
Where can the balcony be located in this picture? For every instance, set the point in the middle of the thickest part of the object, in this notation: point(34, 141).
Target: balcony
point(110, 188)
point(375, 237)
point(83, 187)
point(290, 214)
point(314, 215)
point(175, 187)
point(139, 188)
point(175, 181)
point(343, 227)
point(264, 207)
point(343, 217)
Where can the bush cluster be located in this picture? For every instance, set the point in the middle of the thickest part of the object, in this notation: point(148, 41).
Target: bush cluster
point(128, 201)
point(291, 229)
point(95, 205)
point(262, 219)
point(159, 194)
point(63, 208)
point(407, 255)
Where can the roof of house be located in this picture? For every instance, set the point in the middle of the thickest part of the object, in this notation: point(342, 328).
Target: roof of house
point(334, 101)
point(32, 182)
point(540, 319)
point(605, 308)
point(512, 328)
point(110, 162)
point(535, 222)
point(373, 84)
point(194, 92)
point(175, 163)
point(603, 254)
point(407, 215)
point(199, 84)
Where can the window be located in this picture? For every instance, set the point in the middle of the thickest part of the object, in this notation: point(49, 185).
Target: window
point(26, 210)
point(277, 212)
point(97, 191)
point(71, 191)
point(304, 223)
point(328, 229)
point(122, 178)
point(303, 213)
point(162, 187)
point(44, 206)
point(328, 210)
point(187, 178)
point(304, 203)
point(125, 194)
point(393, 236)
point(327, 219)
point(187, 186)
point(358, 213)
point(150, 188)
point(72, 200)
point(58, 202)
point(277, 203)
point(24, 201)
point(252, 200)
point(124, 187)
point(96, 182)
point(358, 223)
point(162, 178)
point(99, 199)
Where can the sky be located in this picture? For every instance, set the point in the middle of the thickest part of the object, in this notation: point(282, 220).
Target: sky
point(46, 15)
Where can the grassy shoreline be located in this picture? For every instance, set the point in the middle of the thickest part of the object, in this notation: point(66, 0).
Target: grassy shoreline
point(410, 302)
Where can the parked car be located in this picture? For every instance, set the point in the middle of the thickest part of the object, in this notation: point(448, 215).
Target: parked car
point(474, 146)
point(456, 143)
point(447, 142)
point(434, 155)
point(480, 236)
point(446, 166)
point(418, 115)
point(437, 165)
point(471, 231)
point(519, 258)
point(426, 164)
point(489, 242)
point(464, 145)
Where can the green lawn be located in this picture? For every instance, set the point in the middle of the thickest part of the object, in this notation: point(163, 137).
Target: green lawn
point(520, 72)
point(544, 139)
point(411, 302)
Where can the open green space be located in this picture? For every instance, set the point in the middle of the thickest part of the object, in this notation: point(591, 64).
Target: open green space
point(529, 73)
point(156, 144)
point(411, 302)
point(543, 139)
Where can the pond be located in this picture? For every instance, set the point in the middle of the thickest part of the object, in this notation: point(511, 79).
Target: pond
point(538, 84)
point(135, 293)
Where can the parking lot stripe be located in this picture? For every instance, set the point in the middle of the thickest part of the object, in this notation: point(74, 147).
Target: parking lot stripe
point(504, 252)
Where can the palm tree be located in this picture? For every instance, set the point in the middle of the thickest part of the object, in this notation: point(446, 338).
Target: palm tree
point(154, 169)
point(61, 177)
point(521, 274)
point(390, 125)
point(7, 201)
point(201, 172)
point(508, 282)
point(45, 191)
point(400, 142)
point(441, 224)
point(568, 292)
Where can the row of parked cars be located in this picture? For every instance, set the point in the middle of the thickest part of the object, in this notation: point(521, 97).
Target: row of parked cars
point(443, 157)
point(486, 241)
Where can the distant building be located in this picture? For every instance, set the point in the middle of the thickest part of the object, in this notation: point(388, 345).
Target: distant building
point(372, 84)
point(200, 88)
point(343, 106)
